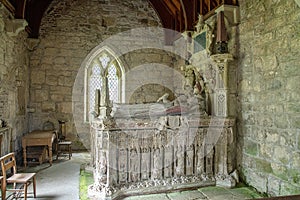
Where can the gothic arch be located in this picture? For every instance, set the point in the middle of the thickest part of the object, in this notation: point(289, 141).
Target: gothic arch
point(103, 62)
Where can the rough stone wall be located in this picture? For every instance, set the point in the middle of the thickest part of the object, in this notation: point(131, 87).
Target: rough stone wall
point(269, 76)
point(70, 30)
point(14, 81)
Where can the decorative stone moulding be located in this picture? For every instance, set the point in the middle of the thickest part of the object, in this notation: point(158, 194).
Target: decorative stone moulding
point(15, 26)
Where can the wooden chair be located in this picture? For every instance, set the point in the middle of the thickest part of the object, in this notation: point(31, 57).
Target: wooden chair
point(19, 181)
point(64, 147)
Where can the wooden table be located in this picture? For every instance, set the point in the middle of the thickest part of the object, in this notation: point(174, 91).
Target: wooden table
point(38, 138)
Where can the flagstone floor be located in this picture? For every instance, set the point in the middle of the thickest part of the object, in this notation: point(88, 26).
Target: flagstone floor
point(62, 181)
point(207, 193)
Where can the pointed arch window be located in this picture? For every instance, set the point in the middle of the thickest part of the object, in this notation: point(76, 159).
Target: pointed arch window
point(103, 66)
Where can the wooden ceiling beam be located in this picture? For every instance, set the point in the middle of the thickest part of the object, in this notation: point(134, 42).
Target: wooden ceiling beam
point(189, 13)
point(176, 4)
point(9, 6)
point(172, 9)
point(178, 15)
point(20, 9)
point(34, 12)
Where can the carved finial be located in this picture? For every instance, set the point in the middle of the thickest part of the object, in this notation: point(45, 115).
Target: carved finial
point(200, 25)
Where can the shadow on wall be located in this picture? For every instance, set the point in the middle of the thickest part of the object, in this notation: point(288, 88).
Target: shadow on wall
point(150, 93)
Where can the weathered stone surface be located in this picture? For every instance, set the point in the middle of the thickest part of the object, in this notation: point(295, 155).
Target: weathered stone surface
point(257, 179)
point(263, 166)
point(65, 107)
point(153, 158)
point(48, 107)
point(188, 195)
point(269, 75)
point(274, 186)
point(280, 171)
point(37, 77)
point(66, 41)
point(14, 80)
point(251, 148)
point(41, 95)
point(244, 193)
point(289, 189)
point(149, 197)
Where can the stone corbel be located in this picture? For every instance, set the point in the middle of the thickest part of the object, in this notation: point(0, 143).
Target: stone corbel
point(15, 26)
point(32, 43)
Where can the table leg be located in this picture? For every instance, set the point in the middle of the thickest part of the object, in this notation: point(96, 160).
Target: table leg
point(24, 156)
point(50, 154)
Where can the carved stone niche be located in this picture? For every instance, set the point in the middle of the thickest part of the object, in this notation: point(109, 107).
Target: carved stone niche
point(137, 156)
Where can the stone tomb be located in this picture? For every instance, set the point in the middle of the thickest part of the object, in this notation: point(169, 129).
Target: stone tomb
point(140, 155)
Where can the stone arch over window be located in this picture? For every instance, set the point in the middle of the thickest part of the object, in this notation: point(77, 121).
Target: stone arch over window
point(103, 66)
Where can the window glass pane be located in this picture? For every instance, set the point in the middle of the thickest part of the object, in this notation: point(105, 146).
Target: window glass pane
point(113, 83)
point(95, 83)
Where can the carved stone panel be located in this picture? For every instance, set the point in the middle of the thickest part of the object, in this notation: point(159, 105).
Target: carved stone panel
point(145, 163)
point(122, 165)
point(168, 162)
point(189, 161)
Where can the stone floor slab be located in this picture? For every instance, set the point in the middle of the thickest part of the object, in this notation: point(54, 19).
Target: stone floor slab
point(186, 195)
point(148, 197)
point(245, 193)
point(214, 191)
point(219, 193)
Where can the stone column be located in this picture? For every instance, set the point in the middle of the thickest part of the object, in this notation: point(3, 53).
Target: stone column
point(104, 99)
point(222, 90)
point(104, 162)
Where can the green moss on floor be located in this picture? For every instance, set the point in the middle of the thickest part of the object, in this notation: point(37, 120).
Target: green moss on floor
point(245, 192)
point(86, 179)
point(242, 191)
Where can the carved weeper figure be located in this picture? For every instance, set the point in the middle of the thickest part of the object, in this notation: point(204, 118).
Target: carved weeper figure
point(145, 168)
point(102, 162)
point(189, 77)
point(200, 25)
point(180, 161)
point(134, 168)
point(157, 164)
point(194, 88)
